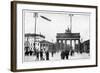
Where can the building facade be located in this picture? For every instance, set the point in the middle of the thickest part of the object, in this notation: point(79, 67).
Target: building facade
point(85, 46)
point(32, 41)
point(68, 41)
point(47, 46)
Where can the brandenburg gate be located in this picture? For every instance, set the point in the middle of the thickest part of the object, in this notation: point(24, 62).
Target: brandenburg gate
point(68, 41)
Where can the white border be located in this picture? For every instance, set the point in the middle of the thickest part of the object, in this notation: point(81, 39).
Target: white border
point(46, 64)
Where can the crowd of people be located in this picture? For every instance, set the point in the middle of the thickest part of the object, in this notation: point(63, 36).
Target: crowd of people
point(42, 55)
point(39, 54)
point(65, 54)
point(45, 55)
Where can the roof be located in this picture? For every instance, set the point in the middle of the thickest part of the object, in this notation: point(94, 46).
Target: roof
point(32, 35)
point(44, 41)
point(68, 35)
point(86, 42)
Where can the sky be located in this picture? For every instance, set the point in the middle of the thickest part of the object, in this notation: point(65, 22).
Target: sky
point(58, 24)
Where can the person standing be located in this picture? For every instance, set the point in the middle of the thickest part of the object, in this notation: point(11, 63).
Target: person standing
point(52, 53)
point(67, 54)
point(72, 52)
point(62, 55)
point(47, 55)
point(41, 54)
point(37, 54)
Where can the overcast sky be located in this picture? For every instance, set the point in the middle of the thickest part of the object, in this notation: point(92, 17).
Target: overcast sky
point(59, 23)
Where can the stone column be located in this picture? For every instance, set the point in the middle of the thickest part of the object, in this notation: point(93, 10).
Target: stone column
point(66, 41)
point(71, 43)
point(75, 44)
point(66, 44)
point(79, 46)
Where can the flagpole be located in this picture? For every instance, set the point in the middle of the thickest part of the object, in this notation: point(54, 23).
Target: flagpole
point(71, 15)
point(35, 16)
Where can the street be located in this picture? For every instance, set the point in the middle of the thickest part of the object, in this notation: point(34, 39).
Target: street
point(57, 56)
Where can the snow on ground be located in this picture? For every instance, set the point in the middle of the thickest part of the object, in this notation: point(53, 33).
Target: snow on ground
point(57, 56)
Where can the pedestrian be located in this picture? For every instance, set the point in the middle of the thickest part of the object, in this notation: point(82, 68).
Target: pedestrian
point(62, 55)
point(26, 51)
point(67, 54)
point(72, 52)
point(47, 55)
point(41, 54)
point(37, 54)
point(52, 53)
point(30, 52)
